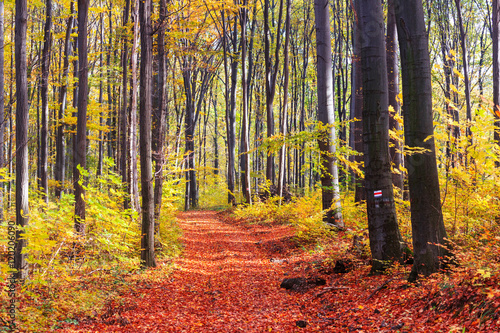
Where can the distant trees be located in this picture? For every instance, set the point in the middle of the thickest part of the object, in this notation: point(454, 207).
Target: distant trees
point(192, 55)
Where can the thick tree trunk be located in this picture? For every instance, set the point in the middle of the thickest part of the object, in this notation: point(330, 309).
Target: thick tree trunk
point(385, 239)
point(22, 114)
point(81, 127)
point(426, 217)
point(146, 92)
point(326, 116)
point(44, 139)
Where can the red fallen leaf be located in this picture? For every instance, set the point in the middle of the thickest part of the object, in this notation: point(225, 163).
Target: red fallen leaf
point(226, 282)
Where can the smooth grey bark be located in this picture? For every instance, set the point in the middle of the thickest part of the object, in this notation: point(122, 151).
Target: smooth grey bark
point(385, 239)
point(393, 84)
point(81, 126)
point(356, 127)
point(284, 118)
point(271, 77)
point(428, 229)
point(44, 90)
point(134, 183)
point(145, 110)
point(22, 117)
point(326, 116)
point(245, 125)
point(124, 117)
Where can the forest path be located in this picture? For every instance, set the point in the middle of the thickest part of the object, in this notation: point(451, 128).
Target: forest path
point(224, 281)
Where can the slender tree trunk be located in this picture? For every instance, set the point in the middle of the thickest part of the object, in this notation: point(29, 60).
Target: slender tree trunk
point(286, 70)
point(385, 239)
point(22, 114)
point(134, 184)
point(124, 117)
point(81, 127)
point(393, 84)
point(463, 44)
point(100, 161)
point(2, 108)
point(44, 147)
point(160, 114)
point(271, 76)
point(496, 71)
point(356, 136)
point(147, 234)
point(230, 116)
point(426, 217)
point(326, 116)
point(245, 126)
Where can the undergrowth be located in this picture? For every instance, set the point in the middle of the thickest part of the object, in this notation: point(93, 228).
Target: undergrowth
point(72, 276)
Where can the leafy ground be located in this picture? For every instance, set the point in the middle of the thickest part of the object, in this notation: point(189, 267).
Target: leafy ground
point(228, 280)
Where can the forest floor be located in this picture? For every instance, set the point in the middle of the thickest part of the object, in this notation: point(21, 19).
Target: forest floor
point(228, 280)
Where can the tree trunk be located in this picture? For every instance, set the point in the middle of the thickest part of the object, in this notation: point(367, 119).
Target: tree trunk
point(124, 117)
point(385, 239)
point(60, 167)
point(326, 116)
point(245, 157)
point(2, 108)
point(393, 84)
point(81, 127)
point(271, 76)
point(496, 72)
point(160, 114)
point(146, 92)
point(426, 217)
point(356, 129)
point(134, 184)
point(463, 37)
point(22, 115)
point(286, 70)
point(230, 115)
point(44, 147)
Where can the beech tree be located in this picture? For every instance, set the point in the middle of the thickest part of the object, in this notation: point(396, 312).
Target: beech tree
point(145, 106)
point(44, 88)
point(22, 118)
point(81, 130)
point(426, 217)
point(326, 116)
point(385, 239)
point(496, 70)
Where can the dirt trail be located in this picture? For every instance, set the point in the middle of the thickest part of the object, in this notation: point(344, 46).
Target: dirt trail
point(223, 282)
